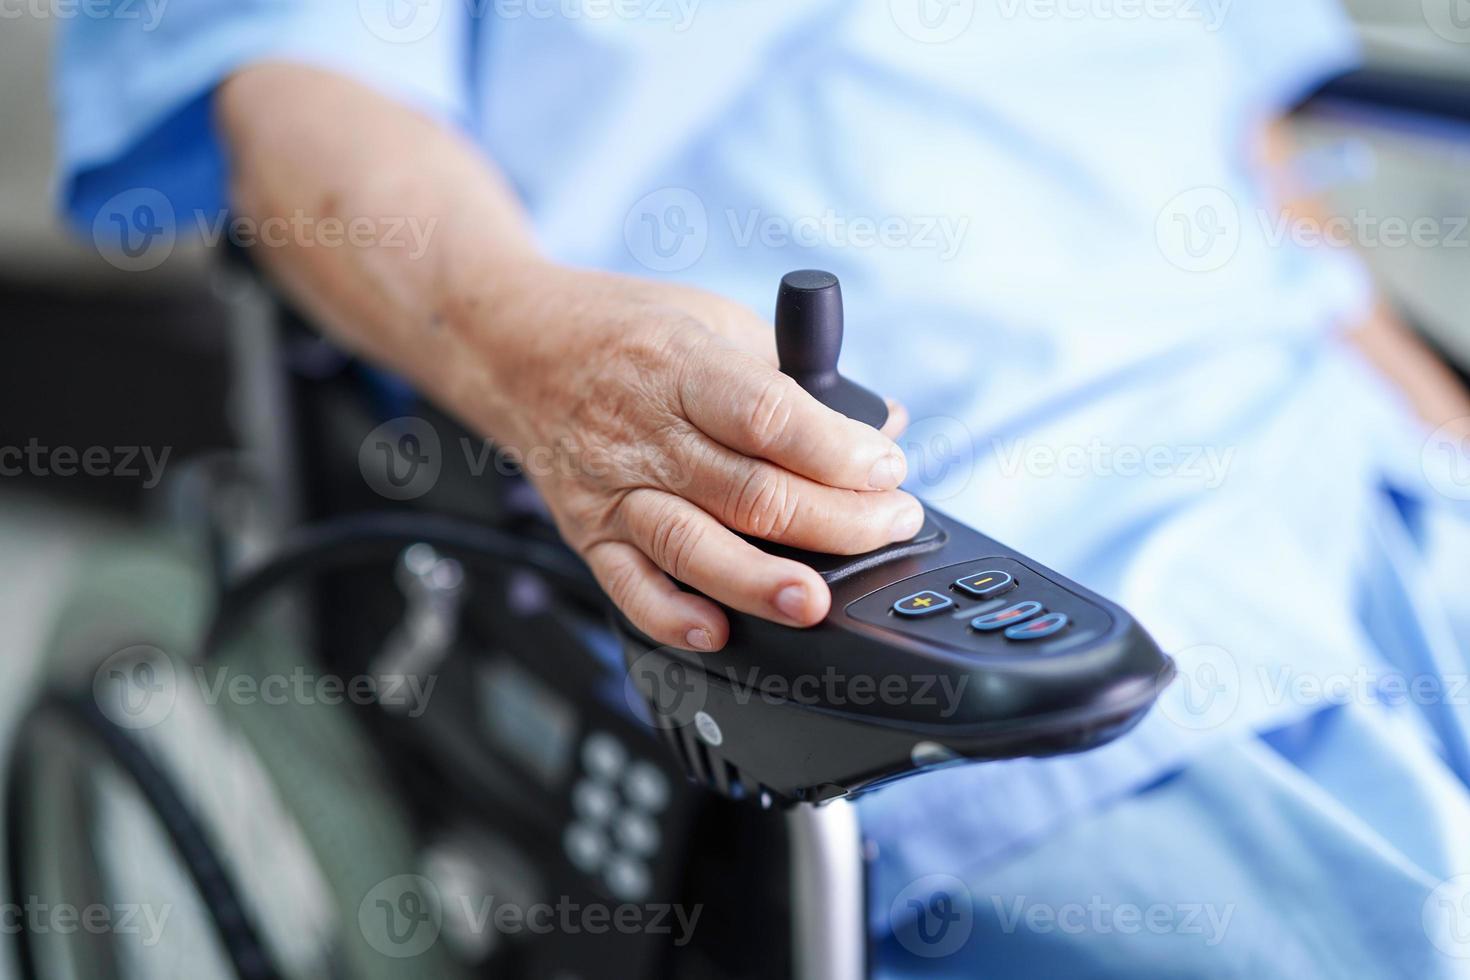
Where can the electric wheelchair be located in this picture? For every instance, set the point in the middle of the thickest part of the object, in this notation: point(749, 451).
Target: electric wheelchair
point(361, 714)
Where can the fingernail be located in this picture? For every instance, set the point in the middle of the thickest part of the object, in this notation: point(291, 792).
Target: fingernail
point(700, 639)
point(887, 473)
point(908, 521)
point(791, 601)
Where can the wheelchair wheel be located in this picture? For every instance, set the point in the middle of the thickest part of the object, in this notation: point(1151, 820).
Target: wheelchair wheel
point(185, 836)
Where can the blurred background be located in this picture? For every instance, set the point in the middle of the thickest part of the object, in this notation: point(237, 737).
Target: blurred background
point(139, 361)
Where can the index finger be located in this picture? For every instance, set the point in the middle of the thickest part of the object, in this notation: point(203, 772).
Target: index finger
point(754, 409)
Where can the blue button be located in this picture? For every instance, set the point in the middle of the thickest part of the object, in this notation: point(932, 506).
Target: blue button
point(1008, 616)
point(987, 584)
point(925, 603)
point(1037, 629)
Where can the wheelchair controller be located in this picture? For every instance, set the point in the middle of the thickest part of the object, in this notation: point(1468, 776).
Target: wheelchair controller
point(943, 649)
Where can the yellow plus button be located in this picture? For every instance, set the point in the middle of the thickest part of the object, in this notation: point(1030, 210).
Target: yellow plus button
point(922, 604)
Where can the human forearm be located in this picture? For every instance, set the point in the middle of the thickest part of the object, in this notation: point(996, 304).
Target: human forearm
point(681, 427)
point(311, 144)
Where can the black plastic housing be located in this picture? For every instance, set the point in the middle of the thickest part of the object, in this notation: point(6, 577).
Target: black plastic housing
point(794, 738)
point(869, 695)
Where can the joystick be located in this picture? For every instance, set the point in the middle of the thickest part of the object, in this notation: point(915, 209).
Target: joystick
point(809, 340)
point(945, 648)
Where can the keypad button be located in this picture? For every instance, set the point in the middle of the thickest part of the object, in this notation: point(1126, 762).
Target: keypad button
point(586, 847)
point(637, 832)
point(986, 584)
point(925, 603)
point(627, 878)
point(604, 756)
point(594, 801)
point(646, 786)
point(1009, 616)
point(1048, 625)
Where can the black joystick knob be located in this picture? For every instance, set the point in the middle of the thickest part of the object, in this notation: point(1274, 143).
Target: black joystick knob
point(809, 340)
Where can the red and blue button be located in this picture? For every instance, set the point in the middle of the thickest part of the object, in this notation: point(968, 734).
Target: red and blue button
point(1039, 628)
point(1009, 616)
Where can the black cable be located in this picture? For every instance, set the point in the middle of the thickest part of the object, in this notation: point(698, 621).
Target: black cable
point(357, 538)
point(230, 916)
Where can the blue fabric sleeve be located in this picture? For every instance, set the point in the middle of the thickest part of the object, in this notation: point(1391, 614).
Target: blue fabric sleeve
point(133, 89)
point(1286, 50)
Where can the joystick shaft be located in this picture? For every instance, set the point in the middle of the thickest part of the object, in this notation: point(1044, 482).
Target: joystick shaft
point(809, 342)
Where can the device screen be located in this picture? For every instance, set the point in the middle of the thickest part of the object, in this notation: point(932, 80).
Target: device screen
point(528, 720)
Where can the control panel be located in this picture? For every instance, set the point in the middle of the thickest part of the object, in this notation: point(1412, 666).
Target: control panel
point(989, 606)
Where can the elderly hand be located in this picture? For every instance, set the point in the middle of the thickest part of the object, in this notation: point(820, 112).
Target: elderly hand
point(655, 424)
point(651, 417)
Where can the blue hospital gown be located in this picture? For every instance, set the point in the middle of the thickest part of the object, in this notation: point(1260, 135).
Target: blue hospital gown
point(1056, 251)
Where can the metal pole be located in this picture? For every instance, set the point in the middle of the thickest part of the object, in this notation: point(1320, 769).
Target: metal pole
point(829, 938)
